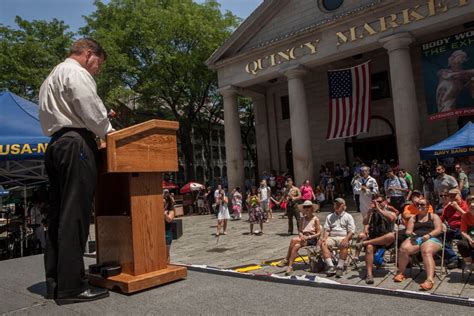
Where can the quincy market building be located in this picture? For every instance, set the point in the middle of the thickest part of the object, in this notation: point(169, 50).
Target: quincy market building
point(280, 55)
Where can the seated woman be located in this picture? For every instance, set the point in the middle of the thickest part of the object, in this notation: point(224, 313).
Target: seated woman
point(308, 236)
point(423, 231)
point(466, 245)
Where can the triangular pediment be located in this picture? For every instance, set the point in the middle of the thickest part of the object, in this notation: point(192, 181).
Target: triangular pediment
point(277, 20)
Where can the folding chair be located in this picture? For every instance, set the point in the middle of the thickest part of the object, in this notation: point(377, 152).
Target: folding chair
point(440, 273)
point(350, 260)
point(313, 253)
point(394, 250)
point(311, 256)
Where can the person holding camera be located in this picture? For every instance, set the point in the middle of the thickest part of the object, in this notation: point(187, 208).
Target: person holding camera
point(423, 231)
point(395, 189)
point(378, 232)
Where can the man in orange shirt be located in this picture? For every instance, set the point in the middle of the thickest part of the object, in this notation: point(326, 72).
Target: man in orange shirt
point(466, 245)
point(411, 210)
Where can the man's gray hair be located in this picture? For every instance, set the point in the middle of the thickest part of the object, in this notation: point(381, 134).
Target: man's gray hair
point(365, 168)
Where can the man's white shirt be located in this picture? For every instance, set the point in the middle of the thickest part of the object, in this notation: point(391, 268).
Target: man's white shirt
point(68, 98)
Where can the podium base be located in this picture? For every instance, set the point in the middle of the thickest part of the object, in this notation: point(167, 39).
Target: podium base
point(133, 283)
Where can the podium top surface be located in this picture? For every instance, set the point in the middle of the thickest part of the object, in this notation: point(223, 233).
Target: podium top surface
point(146, 147)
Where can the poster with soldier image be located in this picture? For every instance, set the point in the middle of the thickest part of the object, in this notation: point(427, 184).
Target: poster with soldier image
point(448, 75)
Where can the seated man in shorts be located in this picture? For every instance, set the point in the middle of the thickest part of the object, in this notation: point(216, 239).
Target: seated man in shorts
point(378, 231)
point(338, 231)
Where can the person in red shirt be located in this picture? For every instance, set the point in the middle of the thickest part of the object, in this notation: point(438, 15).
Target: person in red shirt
point(466, 245)
point(452, 216)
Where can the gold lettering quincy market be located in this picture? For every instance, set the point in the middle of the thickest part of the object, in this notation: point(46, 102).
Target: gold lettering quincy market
point(275, 59)
point(395, 20)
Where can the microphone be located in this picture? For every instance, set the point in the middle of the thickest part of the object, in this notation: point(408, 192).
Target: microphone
point(112, 116)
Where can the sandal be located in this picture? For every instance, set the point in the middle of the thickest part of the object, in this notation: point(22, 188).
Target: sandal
point(289, 271)
point(427, 285)
point(399, 278)
point(282, 263)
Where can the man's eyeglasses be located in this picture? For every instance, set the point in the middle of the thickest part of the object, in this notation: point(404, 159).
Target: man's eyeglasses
point(378, 201)
point(444, 195)
point(421, 205)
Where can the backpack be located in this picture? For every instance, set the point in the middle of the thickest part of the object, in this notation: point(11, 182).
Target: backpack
point(379, 225)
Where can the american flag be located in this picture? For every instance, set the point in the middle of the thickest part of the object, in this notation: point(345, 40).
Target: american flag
point(349, 101)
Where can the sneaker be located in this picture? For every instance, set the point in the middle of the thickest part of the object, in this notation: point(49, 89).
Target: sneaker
point(452, 264)
point(331, 271)
point(369, 279)
point(468, 268)
point(339, 272)
point(282, 263)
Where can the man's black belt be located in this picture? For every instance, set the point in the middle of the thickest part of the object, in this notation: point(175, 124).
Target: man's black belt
point(84, 132)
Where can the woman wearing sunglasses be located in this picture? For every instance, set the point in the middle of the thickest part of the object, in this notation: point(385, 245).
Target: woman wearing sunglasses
point(423, 230)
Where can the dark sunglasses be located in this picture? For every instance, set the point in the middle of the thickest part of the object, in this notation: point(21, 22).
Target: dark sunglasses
point(421, 205)
point(307, 206)
point(443, 195)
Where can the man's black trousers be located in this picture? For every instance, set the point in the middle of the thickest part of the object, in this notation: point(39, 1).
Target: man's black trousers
point(71, 164)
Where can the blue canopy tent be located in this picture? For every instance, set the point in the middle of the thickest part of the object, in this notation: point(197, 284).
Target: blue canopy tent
point(458, 145)
point(22, 143)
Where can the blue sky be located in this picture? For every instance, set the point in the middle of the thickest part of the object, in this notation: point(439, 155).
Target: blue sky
point(71, 11)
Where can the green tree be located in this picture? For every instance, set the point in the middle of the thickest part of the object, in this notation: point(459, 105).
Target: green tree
point(29, 53)
point(157, 50)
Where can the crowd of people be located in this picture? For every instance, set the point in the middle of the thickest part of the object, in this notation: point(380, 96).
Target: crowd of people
point(394, 215)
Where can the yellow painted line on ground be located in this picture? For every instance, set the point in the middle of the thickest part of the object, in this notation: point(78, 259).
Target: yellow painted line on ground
point(249, 268)
point(274, 263)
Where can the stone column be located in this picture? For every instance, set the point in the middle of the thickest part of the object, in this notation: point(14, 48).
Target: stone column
point(233, 139)
point(405, 105)
point(261, 134)
point(300, 135)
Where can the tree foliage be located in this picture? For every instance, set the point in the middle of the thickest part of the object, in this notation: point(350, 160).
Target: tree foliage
point(29, 53)
point(157, 50)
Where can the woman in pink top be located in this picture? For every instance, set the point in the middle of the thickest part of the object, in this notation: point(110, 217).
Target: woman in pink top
point(307, 193)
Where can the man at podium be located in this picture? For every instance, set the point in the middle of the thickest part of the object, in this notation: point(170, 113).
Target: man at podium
point(73, 115)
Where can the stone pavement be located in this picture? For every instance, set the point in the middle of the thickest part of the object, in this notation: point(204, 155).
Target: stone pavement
point(258, 254)
point(198, 245)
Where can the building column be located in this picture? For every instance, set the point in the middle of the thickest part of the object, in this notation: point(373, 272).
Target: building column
point(261, 134)
point(405, 105)
point(233, 139)
point(300, 135)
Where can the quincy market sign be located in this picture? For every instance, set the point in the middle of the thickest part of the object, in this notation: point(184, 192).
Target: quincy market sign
point(382, 24)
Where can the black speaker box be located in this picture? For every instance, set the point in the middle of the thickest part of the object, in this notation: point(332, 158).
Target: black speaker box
point(177, 227)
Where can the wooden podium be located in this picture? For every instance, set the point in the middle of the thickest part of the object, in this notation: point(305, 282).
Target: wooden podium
point(129, 219)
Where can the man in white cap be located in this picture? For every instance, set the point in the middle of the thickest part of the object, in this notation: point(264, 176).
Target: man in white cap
point(338, 231)
point(366, 190)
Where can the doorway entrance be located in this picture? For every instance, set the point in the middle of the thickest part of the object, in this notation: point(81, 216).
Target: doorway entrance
point(380, 143)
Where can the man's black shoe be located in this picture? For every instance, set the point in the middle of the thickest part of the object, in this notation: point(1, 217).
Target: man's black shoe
point(91, 294)
point(452, 264)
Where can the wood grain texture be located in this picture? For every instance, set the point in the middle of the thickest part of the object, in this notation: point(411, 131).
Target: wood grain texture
point(114, 241)
point(148, 226)
point(146, 147)
point(129, 283)
point(130, 225)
